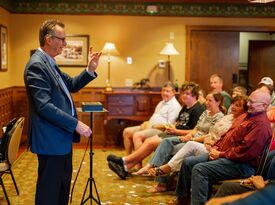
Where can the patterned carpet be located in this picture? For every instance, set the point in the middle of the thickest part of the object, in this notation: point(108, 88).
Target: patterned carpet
point(112, 190)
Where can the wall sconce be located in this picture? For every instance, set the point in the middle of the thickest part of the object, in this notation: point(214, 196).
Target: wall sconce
point(169, 50)
point(109, 49)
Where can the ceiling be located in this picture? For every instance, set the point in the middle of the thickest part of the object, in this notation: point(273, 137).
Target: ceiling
point(186, 8)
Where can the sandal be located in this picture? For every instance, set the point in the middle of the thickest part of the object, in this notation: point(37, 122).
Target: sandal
point(158, 188)
point(157, 172)
point(142, 172)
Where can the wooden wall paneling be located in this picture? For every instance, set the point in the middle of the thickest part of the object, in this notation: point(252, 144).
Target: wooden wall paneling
point(20, 108)
point(214, 52)
point(6, 108)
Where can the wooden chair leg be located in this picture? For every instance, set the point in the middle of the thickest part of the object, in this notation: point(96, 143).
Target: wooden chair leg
point(5, 192)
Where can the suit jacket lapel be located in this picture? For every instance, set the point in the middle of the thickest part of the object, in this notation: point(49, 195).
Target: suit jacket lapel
point(50, 69)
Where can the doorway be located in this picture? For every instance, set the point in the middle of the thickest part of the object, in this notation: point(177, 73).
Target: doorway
point(216, 49)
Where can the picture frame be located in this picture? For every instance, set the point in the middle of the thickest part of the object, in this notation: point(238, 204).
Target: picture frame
point(75, 54)
point(3, 48)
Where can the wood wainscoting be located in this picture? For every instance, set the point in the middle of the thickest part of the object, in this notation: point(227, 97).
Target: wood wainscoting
point(14, 103)
point(107, 127)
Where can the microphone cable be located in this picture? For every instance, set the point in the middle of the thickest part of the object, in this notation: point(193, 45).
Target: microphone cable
point(79, 168)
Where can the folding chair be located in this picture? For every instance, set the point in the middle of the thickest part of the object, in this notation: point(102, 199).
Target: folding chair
point(13, 137)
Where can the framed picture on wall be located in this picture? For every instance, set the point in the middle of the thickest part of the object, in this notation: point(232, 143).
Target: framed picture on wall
point(75, 54)
point(4, 48)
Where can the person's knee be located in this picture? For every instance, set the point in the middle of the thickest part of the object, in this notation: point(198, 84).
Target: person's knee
point(137, 137)
point(188, 162)
point(127, 134)
point(198, 170)
point(150, 143)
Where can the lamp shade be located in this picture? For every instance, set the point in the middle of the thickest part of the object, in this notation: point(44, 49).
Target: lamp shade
point(109, 49)
point(169, 49)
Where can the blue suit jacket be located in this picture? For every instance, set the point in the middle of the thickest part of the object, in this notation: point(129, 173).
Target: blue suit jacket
point(51, 128)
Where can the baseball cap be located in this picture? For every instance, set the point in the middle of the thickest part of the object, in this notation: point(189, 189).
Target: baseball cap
point(266, 81)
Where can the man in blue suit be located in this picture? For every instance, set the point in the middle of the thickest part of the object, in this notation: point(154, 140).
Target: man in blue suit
point(53, 124)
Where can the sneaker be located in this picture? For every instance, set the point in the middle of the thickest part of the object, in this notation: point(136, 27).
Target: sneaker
point(118, 169)
point(115, 159)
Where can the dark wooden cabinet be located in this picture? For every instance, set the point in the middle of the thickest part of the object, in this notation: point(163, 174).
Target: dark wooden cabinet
point(127, 108)
point(131, 105)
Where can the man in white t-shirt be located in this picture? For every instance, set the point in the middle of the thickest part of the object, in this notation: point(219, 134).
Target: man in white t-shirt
point(166, 112)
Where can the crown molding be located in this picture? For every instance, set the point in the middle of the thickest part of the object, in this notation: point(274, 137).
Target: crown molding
point(92, 7)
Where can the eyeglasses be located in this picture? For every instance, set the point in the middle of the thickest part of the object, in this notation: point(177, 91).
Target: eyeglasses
point(62, 39)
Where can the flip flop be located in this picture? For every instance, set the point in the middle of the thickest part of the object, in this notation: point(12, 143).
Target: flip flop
point(157, 172)
point(156, 189)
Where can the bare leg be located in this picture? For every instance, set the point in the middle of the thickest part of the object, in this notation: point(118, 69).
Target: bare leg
point(140, 136)
point(128, 138)
point(138, 139)
point(146, 149)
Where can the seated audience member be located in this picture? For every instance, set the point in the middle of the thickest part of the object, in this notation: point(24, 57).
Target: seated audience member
point(252, 183)
point(201, 97)
point(236, 155)
point(166, 112)
point(171, 145)
point(195, 147)
point(186, 121)
point(266, 83)
point(263, 196)
point(271, 117)
point(238, 91)
point(216, 84)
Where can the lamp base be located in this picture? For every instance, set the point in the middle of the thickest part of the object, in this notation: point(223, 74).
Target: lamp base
point(108, 87)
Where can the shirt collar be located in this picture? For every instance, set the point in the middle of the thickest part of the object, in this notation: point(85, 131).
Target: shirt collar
point(169, 101)
point(49, 58)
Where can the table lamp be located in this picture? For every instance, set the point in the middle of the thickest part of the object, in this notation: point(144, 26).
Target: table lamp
point(169, 50)
point(109, 49)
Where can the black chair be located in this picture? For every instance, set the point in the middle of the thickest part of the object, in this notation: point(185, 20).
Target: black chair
point(12, 137)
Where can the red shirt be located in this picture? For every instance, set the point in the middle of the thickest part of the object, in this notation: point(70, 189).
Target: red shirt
point(246, 139)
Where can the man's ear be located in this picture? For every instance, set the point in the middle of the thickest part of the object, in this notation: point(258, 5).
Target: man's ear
point(48, 39)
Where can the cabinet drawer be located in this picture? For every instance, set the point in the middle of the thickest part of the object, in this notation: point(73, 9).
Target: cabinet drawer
point(120, 100)
point(125, 110)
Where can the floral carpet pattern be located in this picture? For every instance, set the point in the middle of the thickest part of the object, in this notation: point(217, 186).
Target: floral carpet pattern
point(111, 189)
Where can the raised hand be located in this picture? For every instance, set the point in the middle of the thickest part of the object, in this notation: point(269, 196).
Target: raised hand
point(93, 60)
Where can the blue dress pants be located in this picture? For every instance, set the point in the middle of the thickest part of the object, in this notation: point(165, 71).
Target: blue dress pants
point(199, 173)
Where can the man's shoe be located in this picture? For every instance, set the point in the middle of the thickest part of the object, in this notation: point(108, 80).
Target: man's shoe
point(115, 159)
point(118, 169)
